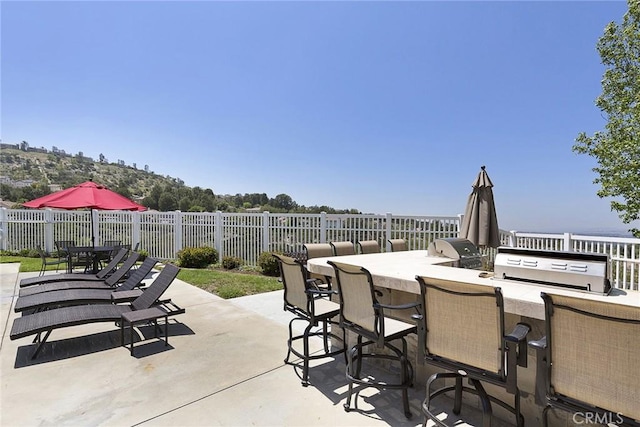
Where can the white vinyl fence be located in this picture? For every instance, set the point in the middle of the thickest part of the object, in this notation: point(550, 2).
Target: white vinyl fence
point(247, 235)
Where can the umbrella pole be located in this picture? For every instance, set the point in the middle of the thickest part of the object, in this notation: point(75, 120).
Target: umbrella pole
point(93, 236)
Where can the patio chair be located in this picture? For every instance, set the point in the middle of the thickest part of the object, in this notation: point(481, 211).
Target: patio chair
point(318, 250)
point(47, 321)
point(343, 248)
point(398, 245)
point(368, 246)
point(100, 276)
point(46, 263)
point(589, 360)
point(462, 331)
point(61, 248)
point(309, 303)
point(363, 315)
point(75, 296)
point(106, 257)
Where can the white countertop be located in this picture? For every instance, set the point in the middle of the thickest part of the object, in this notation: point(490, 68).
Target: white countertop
point(398, 271)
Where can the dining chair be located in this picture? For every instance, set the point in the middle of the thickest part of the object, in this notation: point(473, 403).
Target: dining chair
point(106, 257)
point(461, 331)
point(318, 250)
point(62, 247)
point(398, 245)
point(343, 248)
point(311, 305)
point(46, 263)
point(363, 315)
point(588, 360)
point(368, 246)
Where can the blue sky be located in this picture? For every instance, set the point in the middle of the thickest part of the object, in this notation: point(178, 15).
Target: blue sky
point(377, 106)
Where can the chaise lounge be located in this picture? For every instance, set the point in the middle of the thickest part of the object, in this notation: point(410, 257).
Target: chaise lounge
point(59, 298)
point(47, 321)
point(101, 276)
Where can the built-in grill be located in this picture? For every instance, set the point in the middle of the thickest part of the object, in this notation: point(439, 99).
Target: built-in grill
point(587, 272)
point(463, 253)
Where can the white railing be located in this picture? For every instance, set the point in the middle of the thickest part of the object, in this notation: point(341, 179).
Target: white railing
point(246, 235)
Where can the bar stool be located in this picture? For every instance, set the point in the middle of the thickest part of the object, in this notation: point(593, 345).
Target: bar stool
point(363, 315)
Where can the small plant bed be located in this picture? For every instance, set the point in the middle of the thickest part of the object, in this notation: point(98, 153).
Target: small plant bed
point(229, 283)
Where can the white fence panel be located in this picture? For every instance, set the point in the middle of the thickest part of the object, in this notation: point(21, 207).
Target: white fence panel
point(246, 235)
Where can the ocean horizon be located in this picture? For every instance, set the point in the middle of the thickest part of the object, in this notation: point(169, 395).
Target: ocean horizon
point(603, 232)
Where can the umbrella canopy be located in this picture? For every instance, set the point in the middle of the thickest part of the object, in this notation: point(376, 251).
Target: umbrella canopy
point(480, 223)
point(88, 195)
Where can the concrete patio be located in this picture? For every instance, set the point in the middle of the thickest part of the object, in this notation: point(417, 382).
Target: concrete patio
point(223, 366)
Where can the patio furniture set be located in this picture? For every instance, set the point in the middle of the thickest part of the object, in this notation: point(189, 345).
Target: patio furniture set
point(116, 293)
point(586, 363)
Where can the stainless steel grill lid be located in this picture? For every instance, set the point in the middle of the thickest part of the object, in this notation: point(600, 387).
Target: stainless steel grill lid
point(462, 251)
point(574, 270)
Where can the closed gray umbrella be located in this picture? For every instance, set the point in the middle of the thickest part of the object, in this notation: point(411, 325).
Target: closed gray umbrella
point(480, 223)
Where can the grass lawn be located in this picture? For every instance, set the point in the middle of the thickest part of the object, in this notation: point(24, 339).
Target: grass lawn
point(224, 283)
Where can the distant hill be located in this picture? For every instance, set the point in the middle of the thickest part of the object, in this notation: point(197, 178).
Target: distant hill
point(20, 168)
point(27, 173)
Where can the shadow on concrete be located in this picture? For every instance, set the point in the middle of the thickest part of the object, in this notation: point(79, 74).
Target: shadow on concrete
point(329, 377)
point(93, 343)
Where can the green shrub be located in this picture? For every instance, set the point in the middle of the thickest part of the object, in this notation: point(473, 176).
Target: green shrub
point(197, 257)
point(269, 264)
point(143, 255)
point(231, 262)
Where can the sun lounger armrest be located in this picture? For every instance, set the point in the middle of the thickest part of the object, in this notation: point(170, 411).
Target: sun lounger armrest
point(125, 296)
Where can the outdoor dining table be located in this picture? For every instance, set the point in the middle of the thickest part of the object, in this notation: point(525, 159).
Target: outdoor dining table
point(94, 254)
point(397, 271)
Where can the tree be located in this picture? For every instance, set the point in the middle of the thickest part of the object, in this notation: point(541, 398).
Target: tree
point(617, 148)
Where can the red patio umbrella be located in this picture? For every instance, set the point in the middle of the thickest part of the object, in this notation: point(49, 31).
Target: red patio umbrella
point(87, 195)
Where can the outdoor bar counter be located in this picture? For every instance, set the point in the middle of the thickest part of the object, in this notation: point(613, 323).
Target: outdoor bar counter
point(394, 274)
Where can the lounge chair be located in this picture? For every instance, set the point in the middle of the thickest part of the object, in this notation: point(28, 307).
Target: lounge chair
point(100, 276)
point(54, 299)
point(110, 282)
point(46, 321)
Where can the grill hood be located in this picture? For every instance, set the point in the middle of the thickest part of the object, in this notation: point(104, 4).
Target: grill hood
point(586, 272)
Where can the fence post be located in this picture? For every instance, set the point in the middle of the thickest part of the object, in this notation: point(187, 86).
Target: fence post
point(3, 229)
point(513, 238)
point(218, 233)
point(460, 219)
point(323, 227)
point(48, 231)
point(177, 230)
point(265, 231)
point(567, 242)
point(135, 229)
point(388, 223)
